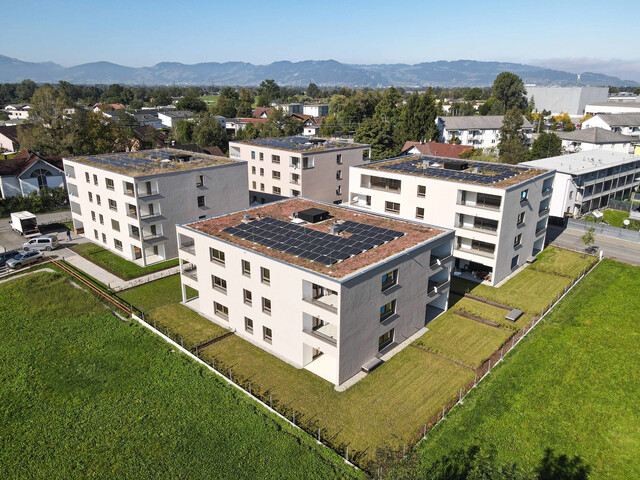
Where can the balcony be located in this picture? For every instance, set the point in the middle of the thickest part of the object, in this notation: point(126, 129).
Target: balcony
point(144, 193)
point(436, 287)
point(547, 191)
point(436, 260)
point(540, 230)
point(327, 333)
point(132, 212)
point(323, 298)
point(149, 215)
point(543, 210)
point(148, 237)
point(189, 270)
point(477, 251)
point(188, 247)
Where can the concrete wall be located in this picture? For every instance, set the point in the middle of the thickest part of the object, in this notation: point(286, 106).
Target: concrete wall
point(620, 107)
point(571, 100)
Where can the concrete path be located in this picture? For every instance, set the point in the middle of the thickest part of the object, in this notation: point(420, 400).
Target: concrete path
point(613, 248)
point(13, 277)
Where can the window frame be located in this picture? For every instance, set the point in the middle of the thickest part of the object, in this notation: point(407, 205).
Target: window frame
point(394, 274)
point(245, 271)
point(265, 279)
point(517, 240)
point(386, 314)
point(219, 284)
point(109, 184)
point(266, 309)
point(422, 194)
point(520, 218)
point(267, 334)
point(389, 210)
point(420, 216)
point(201, 201)
point(220, 258)
point(248, 325)
point(222, 312)
point(247, 299)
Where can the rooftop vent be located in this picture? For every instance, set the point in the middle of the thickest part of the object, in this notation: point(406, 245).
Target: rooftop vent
point(456, 165)
point(180, 157)
point(246, 218)
point(313, 215)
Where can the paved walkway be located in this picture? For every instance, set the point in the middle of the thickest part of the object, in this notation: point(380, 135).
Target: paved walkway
point(13, 277)
point(613, 248)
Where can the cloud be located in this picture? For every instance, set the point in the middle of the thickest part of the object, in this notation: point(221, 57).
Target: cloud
point(624, 69)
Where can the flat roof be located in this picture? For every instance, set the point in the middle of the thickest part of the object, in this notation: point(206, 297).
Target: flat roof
point(149, 162)
point(616, 104)
point(584, 162)
point(366, 239)
point(489, 174)
point(302, 144)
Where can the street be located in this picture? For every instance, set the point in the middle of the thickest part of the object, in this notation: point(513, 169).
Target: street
point(11, 240)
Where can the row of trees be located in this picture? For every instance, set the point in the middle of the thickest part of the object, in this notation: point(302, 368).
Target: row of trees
point(45, 200)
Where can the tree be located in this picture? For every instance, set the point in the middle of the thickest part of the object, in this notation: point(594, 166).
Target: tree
point(161, 97)
point(183, 131)
point(25, 90)
point(474, 464)
point(545, 146)
point(208, 132)
point(636, 91)
point(192, 104)
point(267, 92)
point(512, 147)
point(561, 467)
point(329, 126)
point(280, 123)
point(589, 238)
point(245, 103)
point(562, 122)
point(462, 109)
point(508, 88)
point(313, 91)
point(90, 134)
point(418, 118)
point(380, 134)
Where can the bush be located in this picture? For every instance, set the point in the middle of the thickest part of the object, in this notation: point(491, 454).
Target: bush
point(45, 200)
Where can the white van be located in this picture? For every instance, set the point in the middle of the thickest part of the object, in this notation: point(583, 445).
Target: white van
point(45, 242)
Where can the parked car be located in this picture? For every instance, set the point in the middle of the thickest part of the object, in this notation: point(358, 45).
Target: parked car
point(44, 242)
point(4, 256)
point(24, 258)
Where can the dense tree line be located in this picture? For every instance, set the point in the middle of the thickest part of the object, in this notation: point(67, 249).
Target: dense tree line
point(45, 200)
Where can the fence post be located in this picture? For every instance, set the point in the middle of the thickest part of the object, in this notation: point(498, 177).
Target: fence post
point(270, 401)
point(442, 412)
point(249, 388)
point(213, 363)
point(502, 352)
point(294, 417)
point(181, 342)
point(230, 375)
point(318, 434)
point(475, 380)
point(347, 453)
point(489, 369)
point(424, 435)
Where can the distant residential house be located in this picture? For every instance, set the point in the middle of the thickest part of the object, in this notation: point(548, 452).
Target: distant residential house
point(109, 106)
point(17, 111)
point(294, 107)
point(262, 112)
point(595, 138)
point(433, 148)
point(316, 110)
point(624, 123)
point(26, 172)
point(612, 107)
point(477, 131)
point(115, 115)
point(9, 139)
point(151, 119)
point(234, 125)
point(169, 119)
point(311, 126)
point(195, 148)
point(149, 137)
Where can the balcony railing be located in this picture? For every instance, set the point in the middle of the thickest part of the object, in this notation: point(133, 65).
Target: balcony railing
point(322, 335)
point(330, 302)
point(134, 236)
point(147, 193)
point(547, 191)
point(189, 248)
point(486, 206)
point(130, 193)
point(147, 216)
point(543, 210)
point(151, 236)
point(436, 260)
point(436, 287)
point(540, 230)
point(132, 214)
point(477, 251)
point(189, 270)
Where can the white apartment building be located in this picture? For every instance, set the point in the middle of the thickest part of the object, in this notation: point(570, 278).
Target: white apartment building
point(323, 287)
point(316, 109)
point(596, 138)
point(169, 118)
point(570, 100)
point(499, 211)
point(624, 123)
point(129, 203)
point(476, 130)
point(299, 166)
point(585, 181)
point(17, 111)
point(612, 107)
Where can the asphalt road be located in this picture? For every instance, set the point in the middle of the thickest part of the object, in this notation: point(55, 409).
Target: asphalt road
point(613, 248)
point(10, 240)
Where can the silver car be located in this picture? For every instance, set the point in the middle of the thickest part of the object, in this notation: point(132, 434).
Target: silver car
point(24, 258)
point(44, 242)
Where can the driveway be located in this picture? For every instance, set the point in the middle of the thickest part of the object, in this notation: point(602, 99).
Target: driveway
point(51, 223)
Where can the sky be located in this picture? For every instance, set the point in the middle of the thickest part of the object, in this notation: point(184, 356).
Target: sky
point(566, 35)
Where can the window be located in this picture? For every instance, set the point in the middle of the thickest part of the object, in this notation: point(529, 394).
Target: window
point(220, 310)
point(95, 179)
point(524, 194)
point(265, 275)
point(216, 256)
point(392, 207)
point(113, 205)
point(266, 306)
point(201, 201)
point(129, 189)
point(109, 183)
point(253, 155)
point(387, 310)
point(261, 156)
point(98, 200)
point(517, 240)
point(570, 195)
point(86, 177)
point(520, 218)
point(420, 213)
point(101, 219)
point(199, 180)
point(389, 279)
point(276, 190)
point(247, 298)
point(295, 193)
point(385, 339)
point(339, 190)
point(90, 197)
point(115, 225)
point(219, 284)
point(339, 175)
point(246, 268)
point(248, 325)
point(254, 185)
point(95, 234)
point(117, 243)
point(339, 159)
point(262, 188)
point(422, 191)
point(267, 334)
point(262, 172)
point(275, 175)
point(253, 170)
point(514, 262)
point(104, 238)
point(93, 216)
point(275, 158)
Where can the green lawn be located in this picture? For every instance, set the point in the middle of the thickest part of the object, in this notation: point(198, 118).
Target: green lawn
point(155, 294)
point(615, 217)
point(461, 339)
point(118, 265)
point(86, 395)
point(572, 385)
point(562, 262)
point(386, 408)
point(489, 312)
point(184, 322)
point(210, 99)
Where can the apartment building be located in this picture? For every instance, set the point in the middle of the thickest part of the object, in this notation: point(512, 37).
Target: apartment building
point(129, 203)
point(596, 138)
point(624, 123)
point(499, 211)
point(323, 287)
point(586, 180)
point(477, 131)
point(570, 100)
point(299, 166)
point(612, 107)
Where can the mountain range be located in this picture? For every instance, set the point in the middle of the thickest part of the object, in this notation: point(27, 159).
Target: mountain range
point(459, 73)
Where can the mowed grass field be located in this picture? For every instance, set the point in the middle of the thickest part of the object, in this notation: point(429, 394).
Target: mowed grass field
point(85, 394)
point(572, 385)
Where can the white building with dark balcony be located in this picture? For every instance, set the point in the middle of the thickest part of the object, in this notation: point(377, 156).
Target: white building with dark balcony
point(323, 287)
point(499, 211)
point(586, 180)
point(129, 203)
point(299, 166)
point(477, 131)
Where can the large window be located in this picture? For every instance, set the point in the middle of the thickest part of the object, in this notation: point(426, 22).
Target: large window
point(219, 284)
point(387, 310)
point(216, 256)
point(267, 334)
point(389, 279)
point(109, 183)
point(265, 275)
point(220, 310)
point(247, 297)
point(266, 305)
point(275, 175)
point(275, 158)
point(276, 190)
point(246, 268)
point(392, 207)
point(385, 340)
point(248, 325)
point(488, 201)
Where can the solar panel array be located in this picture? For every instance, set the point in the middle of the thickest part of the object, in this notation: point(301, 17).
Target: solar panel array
point(144, 160)
point(313, 245)
point(295, 143)
point(496, 172)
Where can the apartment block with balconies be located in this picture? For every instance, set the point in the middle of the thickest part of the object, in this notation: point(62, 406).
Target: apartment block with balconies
point(499, 212)
point(129, 203)
point(298, 166)
point(323, 287)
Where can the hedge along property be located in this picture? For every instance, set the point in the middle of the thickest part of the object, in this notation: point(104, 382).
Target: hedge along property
point(325, 288)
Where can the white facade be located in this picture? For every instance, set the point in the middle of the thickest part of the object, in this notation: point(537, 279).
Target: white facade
point(480, 132)
point(570, 100)
point(586, 181)
point(305, 169)
point(572, 146)
point(169, 119)
point(330, 326)
point(38, 175)
point(612, 107)
point(624, 123)
point(497, 228)
point(134, 214)
point(316, 110)
point(17, 111)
